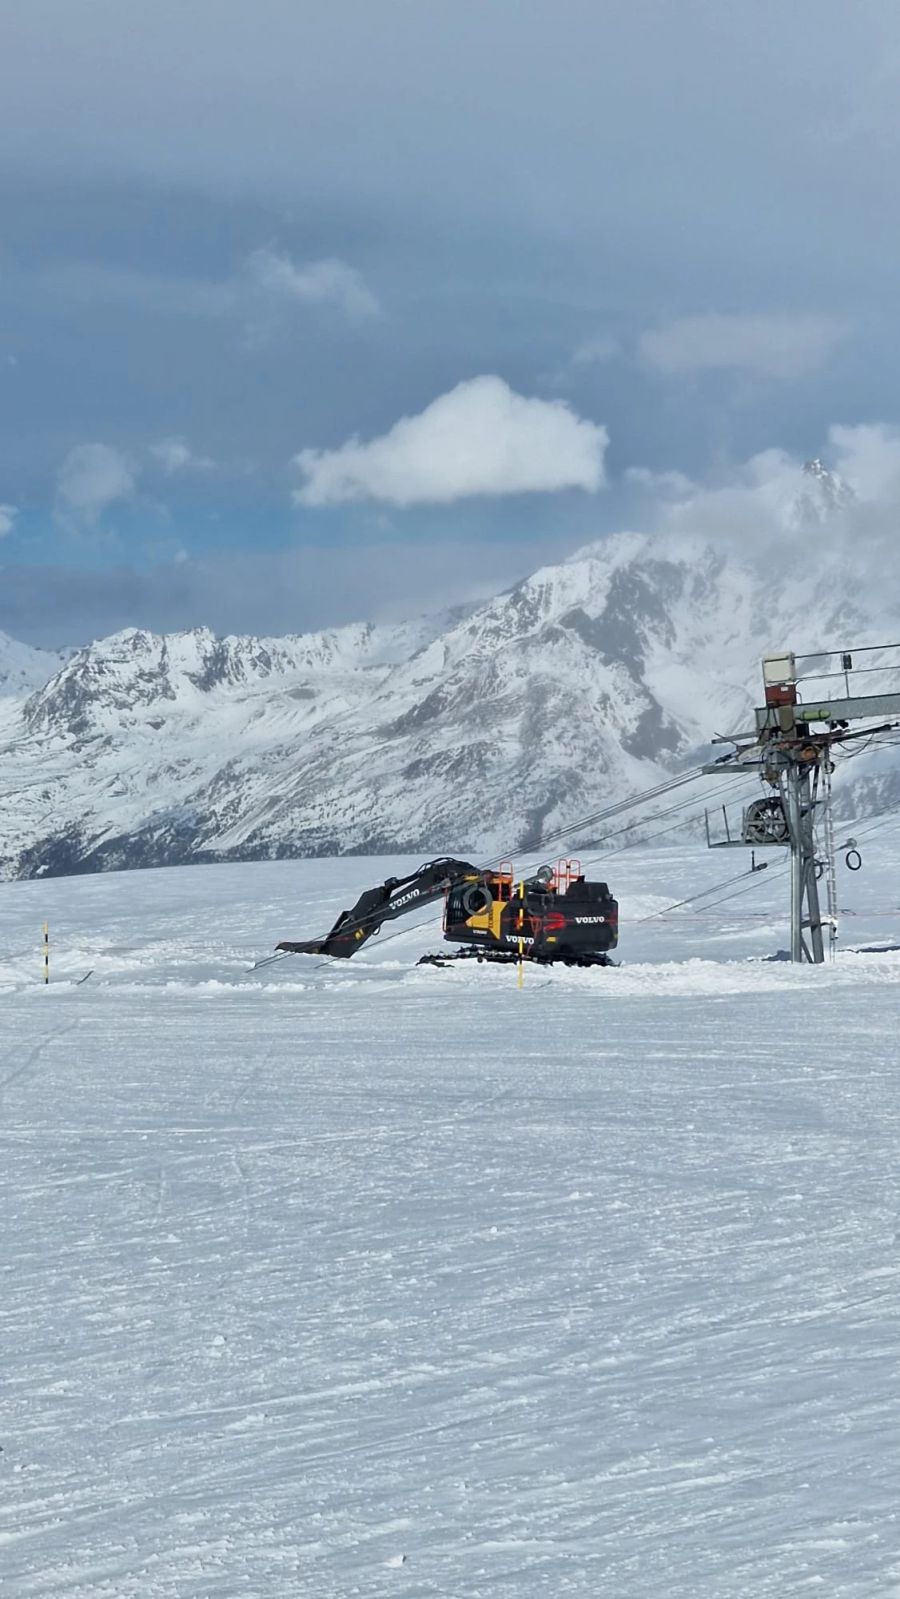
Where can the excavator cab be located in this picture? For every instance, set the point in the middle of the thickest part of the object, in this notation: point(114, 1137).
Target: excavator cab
point(555, 915)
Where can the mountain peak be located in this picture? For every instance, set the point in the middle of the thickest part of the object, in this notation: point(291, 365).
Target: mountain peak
point(823, 495)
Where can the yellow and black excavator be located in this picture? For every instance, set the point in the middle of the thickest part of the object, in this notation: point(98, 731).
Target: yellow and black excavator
point(555, 915)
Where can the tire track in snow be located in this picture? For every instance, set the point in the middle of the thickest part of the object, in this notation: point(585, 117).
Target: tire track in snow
point(34, 1055)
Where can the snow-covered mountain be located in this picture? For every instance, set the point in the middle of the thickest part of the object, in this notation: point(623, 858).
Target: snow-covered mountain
point(22, 669)
point(470, 732)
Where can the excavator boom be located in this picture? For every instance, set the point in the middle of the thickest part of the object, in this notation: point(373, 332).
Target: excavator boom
point(396, 896)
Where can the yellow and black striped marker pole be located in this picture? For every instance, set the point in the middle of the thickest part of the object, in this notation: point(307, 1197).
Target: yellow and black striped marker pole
point(521, 943)
point(46, 952)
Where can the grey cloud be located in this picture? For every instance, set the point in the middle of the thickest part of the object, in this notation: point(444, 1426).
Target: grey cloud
point(93, 283)
point(269, 592)
point(92, 478)
point(266, 277)
point(285, 94)
point(328, 282)
point(763, 503)
point(771, 345)
point(593, 351)
point(205, 207)
point(175, 455)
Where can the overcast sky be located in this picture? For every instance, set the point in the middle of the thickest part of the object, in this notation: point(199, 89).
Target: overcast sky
point(315, 310)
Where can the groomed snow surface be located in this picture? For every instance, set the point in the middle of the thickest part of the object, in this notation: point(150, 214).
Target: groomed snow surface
point(384, 1280)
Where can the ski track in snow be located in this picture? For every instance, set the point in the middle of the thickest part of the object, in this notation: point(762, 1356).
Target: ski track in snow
point(382, 1280)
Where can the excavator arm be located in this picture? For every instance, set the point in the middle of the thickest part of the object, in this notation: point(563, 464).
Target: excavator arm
point(396, 896)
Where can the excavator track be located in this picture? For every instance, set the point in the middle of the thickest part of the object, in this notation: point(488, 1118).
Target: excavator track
point(509, 957)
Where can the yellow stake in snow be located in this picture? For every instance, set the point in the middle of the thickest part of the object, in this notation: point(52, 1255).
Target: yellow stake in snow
point(521, 942)
point(46, 952)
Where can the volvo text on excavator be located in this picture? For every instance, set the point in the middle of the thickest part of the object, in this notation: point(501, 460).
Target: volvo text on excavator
point(555, 915)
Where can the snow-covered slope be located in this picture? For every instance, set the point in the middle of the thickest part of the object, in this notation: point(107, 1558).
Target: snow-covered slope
point(471, 732)
point(378, 1280)
point(22, 669)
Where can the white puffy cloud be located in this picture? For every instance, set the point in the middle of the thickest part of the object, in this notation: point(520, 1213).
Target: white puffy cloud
point(868, 456)
point(8, 514)
point(775, 499)
point(91, 478)
point(851, 494)
point(769, 497)
point(479, 438)
point(770, 346)
point(738, 510)
point(175, 455)
point(327, 282)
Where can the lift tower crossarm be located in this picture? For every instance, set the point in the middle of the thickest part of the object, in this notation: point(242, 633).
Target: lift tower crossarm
point(784, 718)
